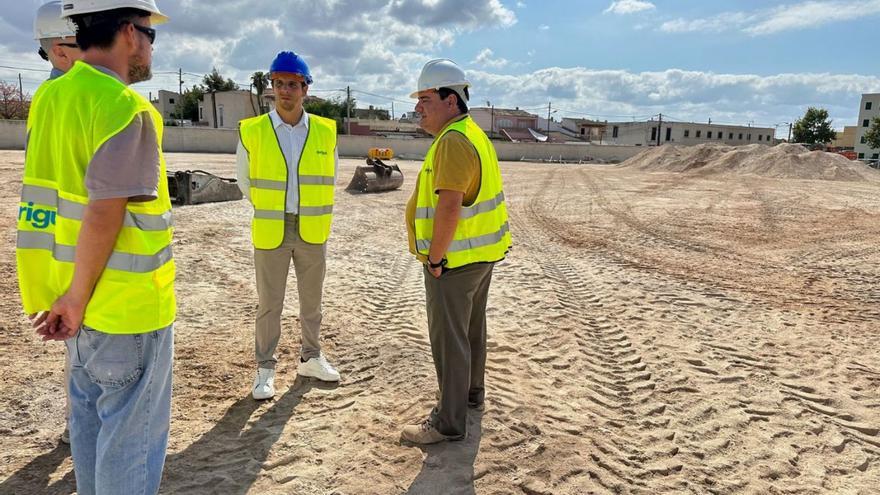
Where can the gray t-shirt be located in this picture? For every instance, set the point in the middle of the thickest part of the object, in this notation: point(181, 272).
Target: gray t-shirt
point(127, 164)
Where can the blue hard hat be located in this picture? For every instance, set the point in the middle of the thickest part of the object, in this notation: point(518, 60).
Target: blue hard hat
point(293, 63)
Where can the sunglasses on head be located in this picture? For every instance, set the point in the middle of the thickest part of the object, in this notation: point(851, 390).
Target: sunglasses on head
point(69, 45)
point(150, 32)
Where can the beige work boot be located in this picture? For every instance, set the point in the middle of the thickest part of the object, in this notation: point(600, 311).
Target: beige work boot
point(423, 433)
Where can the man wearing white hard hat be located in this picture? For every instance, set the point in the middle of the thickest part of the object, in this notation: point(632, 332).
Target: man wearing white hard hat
point(457, 225)
point(93, 249)
point(57, 38)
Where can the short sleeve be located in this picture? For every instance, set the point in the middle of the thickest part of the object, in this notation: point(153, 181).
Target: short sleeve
point(456, 164)
point(127, 164)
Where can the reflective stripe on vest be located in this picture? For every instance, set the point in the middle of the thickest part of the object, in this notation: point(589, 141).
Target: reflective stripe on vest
point(483, 232)
point(268, 180)
point(70, 121)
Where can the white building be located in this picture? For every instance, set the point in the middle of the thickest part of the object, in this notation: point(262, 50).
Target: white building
point(226, 108)
point(167, 103)
point(684, 133)
point(868, 109)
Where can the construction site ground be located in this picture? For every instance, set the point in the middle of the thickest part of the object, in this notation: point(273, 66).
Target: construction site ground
point(650, 332)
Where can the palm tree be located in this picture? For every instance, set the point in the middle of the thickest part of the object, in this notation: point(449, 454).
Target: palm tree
point(260, 81)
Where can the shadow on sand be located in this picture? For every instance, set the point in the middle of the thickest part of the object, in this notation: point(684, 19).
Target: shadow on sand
point(233, 452)
point(449, 466)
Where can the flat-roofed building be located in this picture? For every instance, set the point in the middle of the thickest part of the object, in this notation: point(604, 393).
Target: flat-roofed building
point(869, 108)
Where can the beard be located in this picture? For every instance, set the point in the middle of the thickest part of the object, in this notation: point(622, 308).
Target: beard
point(287, 106)
point(138, 70)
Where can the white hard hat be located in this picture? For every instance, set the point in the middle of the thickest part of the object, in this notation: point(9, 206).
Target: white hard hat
point(49, 24)
point(442, 73)
point(78, 7)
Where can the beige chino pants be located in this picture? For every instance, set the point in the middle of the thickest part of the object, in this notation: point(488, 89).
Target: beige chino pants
point(272, 267)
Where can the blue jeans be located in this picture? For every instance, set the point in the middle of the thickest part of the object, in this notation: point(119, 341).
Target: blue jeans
point(120, 395)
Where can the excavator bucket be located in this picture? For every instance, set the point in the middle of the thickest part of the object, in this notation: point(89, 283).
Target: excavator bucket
point(192, 187)
point(375, 176)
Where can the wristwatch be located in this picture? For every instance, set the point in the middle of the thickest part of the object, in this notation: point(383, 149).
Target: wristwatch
point(438, 265)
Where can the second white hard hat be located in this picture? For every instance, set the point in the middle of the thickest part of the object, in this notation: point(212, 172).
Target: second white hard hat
point(49, 24)
point(78, 7)
point(442, 73)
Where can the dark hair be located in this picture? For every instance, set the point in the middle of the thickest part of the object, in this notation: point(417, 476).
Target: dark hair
point(462, 104)
point(99, 29)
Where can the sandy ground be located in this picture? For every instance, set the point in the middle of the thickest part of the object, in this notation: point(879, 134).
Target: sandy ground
point(649, 333)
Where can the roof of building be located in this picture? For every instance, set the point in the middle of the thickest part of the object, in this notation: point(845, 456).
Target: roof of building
point(507, 112)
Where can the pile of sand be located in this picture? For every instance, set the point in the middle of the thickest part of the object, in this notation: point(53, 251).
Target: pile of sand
point(791, 161)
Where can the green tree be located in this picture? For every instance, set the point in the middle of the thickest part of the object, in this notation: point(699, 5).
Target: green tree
point(216, 82)
point(187, 106)
point(261, 82)
point(813, 128)
point(872, 137)
point(334, 108)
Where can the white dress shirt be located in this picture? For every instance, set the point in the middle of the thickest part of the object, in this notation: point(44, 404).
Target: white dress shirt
point(292, 139)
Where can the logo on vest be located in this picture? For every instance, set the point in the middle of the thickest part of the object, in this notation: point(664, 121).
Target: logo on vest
point(321, 152)
point(38, 218)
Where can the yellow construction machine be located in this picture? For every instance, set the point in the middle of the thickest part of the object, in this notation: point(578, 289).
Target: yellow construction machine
point(376, 176)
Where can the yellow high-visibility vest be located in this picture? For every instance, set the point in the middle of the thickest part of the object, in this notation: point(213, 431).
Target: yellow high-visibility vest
point(483, 233)
point(316, 172)
point(74, 116)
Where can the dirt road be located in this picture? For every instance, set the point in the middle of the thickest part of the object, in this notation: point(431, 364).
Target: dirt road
point(649, 333)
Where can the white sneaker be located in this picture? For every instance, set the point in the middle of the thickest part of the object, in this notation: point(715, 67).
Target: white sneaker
point(318, 368)
point(264, 384)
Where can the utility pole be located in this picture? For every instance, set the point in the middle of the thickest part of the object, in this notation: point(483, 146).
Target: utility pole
point(659, 128)
point(493, 122)
point(548, 120)
point(789, 132)
point(180, 82)
point(214, 104)
point(348, 110)
point(20, 91)
point(392, 110)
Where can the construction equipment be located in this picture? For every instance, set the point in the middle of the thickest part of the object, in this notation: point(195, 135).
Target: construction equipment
point(192, 187)
point(376, 176)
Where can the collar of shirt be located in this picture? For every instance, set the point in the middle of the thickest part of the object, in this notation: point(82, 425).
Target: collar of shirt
point(107, 71)
point(278, 122)
point(56, 73)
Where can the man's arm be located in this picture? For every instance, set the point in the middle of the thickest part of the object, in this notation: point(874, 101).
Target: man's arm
point(243, 170)
point(101, 224)
point(445, 221)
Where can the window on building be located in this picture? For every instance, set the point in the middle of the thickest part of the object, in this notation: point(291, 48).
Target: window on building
point(868, 105)
point(583, 130)
point(171, 101)
point(863, 140)
point(653, 134)
point(687, 133)
point(866, 123)
point(220, 113)
point(861, 156)
point(730, 135)
point(740, 136)
point(669, 133)
point(720, 135)
point(201, 113)
point(614, 131)
point(875, 156)
point(760, 137)
point(768, 139)
point(504, 123)
point(709, 135)
point(698, 133)
point(750, 136)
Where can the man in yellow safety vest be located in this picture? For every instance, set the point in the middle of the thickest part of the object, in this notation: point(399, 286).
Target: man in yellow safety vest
point(94, 246)
point(287, 163)
point(457, 225)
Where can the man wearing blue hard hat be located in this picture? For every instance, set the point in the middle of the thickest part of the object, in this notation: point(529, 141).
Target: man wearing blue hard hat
point(287, 164)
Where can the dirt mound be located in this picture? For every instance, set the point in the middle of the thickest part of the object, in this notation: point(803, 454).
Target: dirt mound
point(790, 161)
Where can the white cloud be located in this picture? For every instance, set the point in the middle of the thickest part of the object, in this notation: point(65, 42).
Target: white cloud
point(802, 15)
point(520, 5)
point(485, 58)
point(624, 7)
point(685, 95)
point(543, 27)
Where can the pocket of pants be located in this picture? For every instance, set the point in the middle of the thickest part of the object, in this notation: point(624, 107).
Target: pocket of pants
point(115, 360)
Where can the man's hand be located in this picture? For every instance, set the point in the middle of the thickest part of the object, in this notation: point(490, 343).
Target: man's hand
point(63, 320)
point(436, 272)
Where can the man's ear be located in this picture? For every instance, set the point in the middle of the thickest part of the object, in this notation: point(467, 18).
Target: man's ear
point(58, 52)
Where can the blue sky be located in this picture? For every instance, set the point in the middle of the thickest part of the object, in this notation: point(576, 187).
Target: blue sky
point(731, 61)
